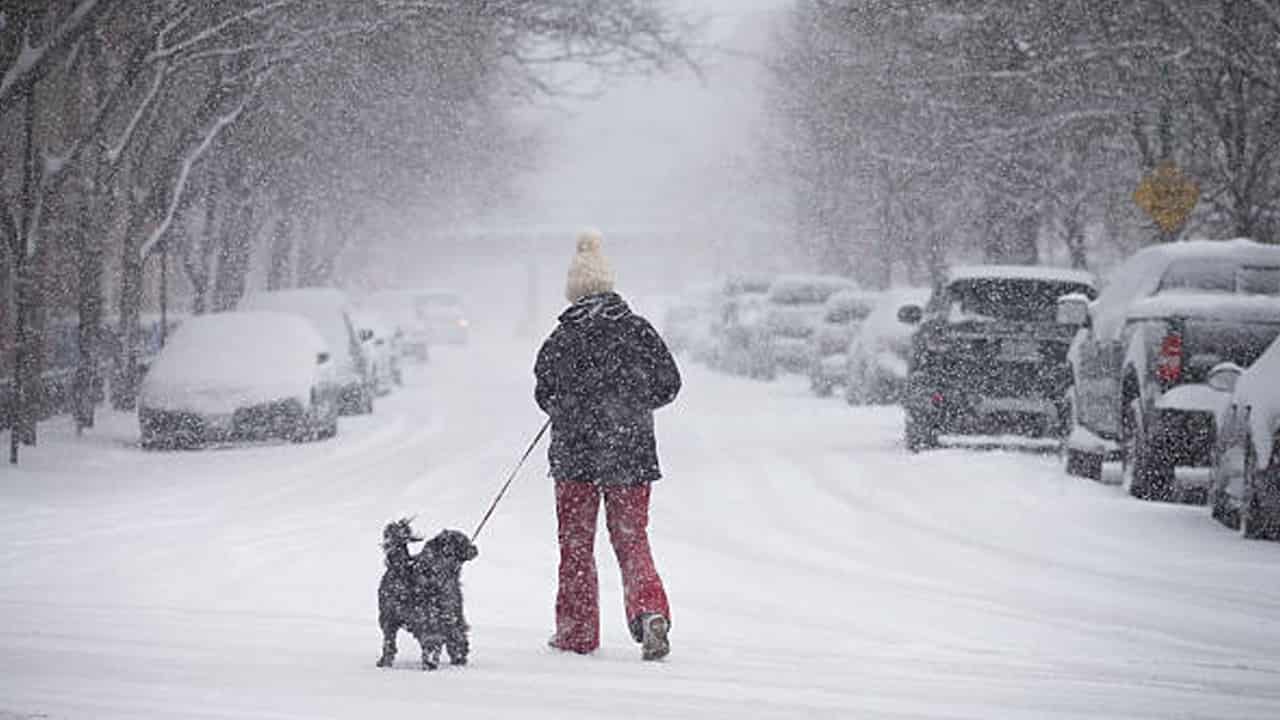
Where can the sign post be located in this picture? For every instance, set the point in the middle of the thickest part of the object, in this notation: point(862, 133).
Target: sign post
point(1168, 196)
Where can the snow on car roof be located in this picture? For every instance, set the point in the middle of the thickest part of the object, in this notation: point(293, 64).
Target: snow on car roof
point(1139, 275)
point(235, 344)
point(853, 298)
point(218, 362)
point(808, 288)
point(1021, 272)
point(1242, 249)
point(1252, 308)
point(746, 283)
point(326, 308)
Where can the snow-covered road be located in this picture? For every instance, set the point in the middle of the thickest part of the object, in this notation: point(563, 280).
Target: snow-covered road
point(815, 570)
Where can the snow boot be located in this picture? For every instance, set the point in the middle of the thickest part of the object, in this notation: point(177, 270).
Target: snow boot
point(555, 642)
point(654, 644)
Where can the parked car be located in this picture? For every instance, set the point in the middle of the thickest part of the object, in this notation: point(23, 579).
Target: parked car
point(409, 328)
point(1244, 491)
point(841, 317)
point(742, 341)
point(239, 376)
point(445, 316)
point(794, 312)
point(1140, 361)
point(989, 356)
point(329, 312)
point(379, 345)
point(741, 344)
point(876, 368)
point(688, 324)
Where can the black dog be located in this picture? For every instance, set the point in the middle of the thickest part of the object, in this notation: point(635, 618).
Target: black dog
point(423, 594)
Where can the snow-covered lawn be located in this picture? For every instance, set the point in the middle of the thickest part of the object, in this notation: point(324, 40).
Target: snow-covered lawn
point(815, 569)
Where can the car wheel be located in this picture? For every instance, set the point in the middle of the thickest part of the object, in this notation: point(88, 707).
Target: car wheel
point(919, 434)
point(1254, 522)
point(1145, 476)
point(879, 392)
point(1218, 507)
point(854, 394)
point(1084, 464)
point(1080, 463)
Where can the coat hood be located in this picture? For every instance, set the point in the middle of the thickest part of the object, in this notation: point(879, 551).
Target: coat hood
point(606, 305)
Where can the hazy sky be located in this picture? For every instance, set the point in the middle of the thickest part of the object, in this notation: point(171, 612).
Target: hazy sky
point(657, 150)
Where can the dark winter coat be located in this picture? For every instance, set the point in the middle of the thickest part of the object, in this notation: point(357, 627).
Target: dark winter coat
point(601, 374)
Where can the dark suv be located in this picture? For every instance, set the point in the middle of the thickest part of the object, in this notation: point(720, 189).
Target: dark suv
point(989, 355)
point(1140, 363)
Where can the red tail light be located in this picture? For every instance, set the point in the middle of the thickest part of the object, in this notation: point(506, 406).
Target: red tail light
point(1169, 361)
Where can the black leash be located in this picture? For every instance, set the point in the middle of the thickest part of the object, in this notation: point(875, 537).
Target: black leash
point(512, 477)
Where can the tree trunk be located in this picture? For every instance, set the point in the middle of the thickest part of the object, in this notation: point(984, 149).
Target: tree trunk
point(233, 257)
point(86, 389)
point(124, 386)
point(198, 253)
point(281, 255)
point(26, 377)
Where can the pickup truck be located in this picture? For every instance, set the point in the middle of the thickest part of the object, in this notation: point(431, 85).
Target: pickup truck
point(1141, 358)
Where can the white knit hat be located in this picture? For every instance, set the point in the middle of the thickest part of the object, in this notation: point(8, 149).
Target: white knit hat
point(589, 272)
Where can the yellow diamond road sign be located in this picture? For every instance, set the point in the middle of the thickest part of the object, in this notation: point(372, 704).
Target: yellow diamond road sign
point(1168, 196)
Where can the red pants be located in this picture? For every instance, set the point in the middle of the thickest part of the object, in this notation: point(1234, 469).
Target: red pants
point(626, 510)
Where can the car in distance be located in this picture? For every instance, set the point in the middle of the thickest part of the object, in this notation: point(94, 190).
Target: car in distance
point(328, 310)
point(876, 368)
point(1169, 314)
point(239, 376)
point(794, 311)
point(445, 316)
point(740, 339)
point(989, 355)
point(408, 327)
point(843, 315)
point(378, 342)
point(1244, 491)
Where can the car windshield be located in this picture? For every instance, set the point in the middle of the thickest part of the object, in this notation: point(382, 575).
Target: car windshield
point(991, 299)
point(1222, 276)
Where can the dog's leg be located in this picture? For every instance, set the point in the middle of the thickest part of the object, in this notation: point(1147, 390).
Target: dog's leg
point(388, 646)
point(430, 643)
point(458, 645)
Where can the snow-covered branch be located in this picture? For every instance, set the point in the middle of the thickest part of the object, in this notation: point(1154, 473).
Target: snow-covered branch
point(33, 61)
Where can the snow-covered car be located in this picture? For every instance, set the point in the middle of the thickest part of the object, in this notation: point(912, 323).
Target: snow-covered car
point(445, 316)
point(989, 356)
point(378, 342)
point(688, 325)
point(739, 338)
point(742, 343)
point(239, 376)
point(409, 328)
point(329, 311)
point(1145, 348)
point(1244, 490)
point(876, 370)
point(841, 318)
point(795, 310)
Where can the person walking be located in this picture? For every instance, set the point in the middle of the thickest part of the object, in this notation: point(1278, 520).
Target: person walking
point(600, 375)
